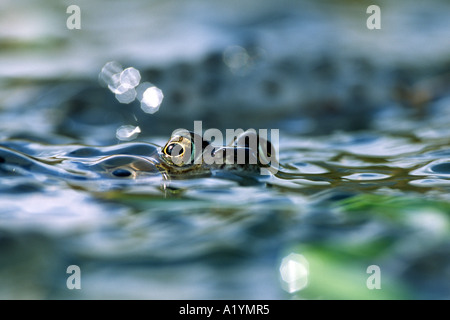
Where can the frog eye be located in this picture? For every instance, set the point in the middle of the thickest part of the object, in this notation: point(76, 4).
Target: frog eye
point(174, 150)
point(178, 151)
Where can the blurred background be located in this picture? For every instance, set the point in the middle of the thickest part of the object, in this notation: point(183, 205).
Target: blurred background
point(361, 114)
point(307, 67)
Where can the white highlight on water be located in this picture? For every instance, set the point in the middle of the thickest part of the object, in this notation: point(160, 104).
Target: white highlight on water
point(294, 272)
point(124, 83)
point(127, 132)
point(150, 97)
point(125, 94)
point(110, 69)
point(130, 76)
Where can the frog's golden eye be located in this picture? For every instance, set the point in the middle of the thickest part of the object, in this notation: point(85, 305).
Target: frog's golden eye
point(179, 151)
point(174, 150)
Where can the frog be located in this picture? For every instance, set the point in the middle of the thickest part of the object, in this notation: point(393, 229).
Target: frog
point(187, 153)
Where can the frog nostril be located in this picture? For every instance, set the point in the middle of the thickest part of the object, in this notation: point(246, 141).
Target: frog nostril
point(122, 173)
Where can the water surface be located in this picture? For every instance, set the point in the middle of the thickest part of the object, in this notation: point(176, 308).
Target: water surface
point(364, 151)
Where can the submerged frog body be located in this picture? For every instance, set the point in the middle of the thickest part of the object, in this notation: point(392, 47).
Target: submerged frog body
point(184, 156)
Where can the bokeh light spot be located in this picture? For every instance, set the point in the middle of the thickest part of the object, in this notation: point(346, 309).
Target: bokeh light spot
point(106, 75)
point(130, 76)
point(236, 57)
point(127, 132)
point(150, 96)
point(294, 272)
point(125, 85)
point(125, 94)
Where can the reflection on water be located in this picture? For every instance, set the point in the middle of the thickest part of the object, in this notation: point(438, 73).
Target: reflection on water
point(364, 150)
point(294, 271)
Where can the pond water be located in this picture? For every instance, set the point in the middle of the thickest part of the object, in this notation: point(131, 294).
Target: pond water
point(364, 152)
